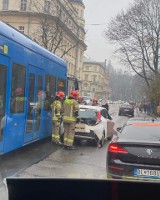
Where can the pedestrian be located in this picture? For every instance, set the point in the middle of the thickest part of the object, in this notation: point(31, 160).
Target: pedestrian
point(158, 110)
point(56, 107)
point(105, 105)
point(152, 107)
point(70, 116)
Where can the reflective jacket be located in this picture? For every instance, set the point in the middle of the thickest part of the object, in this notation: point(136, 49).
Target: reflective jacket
point(56, 110)
point(70, 110)
point(17, 105)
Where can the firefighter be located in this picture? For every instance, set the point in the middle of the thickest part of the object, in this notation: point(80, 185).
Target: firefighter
point(17, 104)
point(95, 102)
point(70, 116)
point(56, 117)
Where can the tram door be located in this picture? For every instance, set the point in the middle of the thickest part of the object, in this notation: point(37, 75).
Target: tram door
point(3, 87)
point(34, 108)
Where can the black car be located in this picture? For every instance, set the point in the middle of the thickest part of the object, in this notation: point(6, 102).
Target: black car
point(134, 153)
point(126, 109)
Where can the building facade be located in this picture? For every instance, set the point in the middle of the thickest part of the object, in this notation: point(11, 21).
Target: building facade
point(57, 25)
point(95, 80)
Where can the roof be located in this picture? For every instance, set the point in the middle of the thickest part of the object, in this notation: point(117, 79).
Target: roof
point(77, 1)
point(12, 34)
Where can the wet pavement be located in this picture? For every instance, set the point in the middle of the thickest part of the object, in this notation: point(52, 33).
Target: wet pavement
point(84, 162)
point(14, 162)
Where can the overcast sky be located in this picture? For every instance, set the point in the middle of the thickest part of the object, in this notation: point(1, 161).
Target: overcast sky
point(100, 12)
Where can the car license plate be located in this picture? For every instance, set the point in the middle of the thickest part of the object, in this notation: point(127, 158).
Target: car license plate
point(126, 110)
point(146, 173)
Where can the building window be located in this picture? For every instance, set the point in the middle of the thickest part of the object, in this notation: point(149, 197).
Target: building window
point(47, 5)
point(86, 77)
point(94, 69)
point(94, 78)
point(87, 68)
point(50, 85)
point(21, 29)
point(85, 87)
point(93, 89)
point(5, 4)
point(23, 6)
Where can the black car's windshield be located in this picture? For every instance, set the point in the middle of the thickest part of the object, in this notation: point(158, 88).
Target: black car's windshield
point(126, 106)
point(141, 131)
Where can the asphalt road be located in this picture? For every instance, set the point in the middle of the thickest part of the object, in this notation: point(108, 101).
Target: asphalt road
point(43, 159)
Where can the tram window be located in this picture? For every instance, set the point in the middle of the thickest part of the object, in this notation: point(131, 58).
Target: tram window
point(3, 72)
point(18, 88)
point(61, 85)
point(32, 102)
point(40, 82)
point(39, 103)
point(50, 85)
point(31, 87)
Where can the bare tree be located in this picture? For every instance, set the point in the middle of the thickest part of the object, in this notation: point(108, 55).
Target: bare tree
point(53, 28)
point(137, 33)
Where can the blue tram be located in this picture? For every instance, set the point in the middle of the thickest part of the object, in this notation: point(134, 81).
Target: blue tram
point(37, 74)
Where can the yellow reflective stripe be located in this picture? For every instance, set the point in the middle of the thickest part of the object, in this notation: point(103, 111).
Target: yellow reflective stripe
point(69, 119)
point(56, 123)
point(56, 136)
point(70, 140)
point(54, 118)
point(20, 98)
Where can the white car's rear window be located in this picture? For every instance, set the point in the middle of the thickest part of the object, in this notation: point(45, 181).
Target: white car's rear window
point(86, 113)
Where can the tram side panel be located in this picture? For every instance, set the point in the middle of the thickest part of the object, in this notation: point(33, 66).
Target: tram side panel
point(18, 60)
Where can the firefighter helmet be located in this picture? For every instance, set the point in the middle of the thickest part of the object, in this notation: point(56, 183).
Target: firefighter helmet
point(60, 94)
point(74, 93)
point(19, 91)
point(95, 100)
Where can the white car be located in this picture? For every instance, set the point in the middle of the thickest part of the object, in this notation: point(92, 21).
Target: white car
point(94, 124)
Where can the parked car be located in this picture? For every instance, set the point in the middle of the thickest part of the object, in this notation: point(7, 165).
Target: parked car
point(126, 109)
point(87, 100)
point(94, 124)
point(134, 153)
